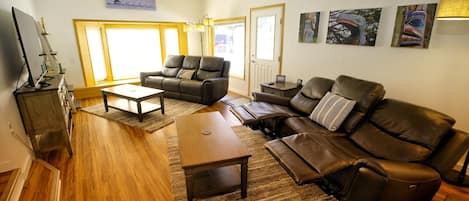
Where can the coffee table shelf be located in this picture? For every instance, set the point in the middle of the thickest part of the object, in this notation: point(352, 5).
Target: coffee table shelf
point(217, 181)
point(132, 99)
point(131, 106)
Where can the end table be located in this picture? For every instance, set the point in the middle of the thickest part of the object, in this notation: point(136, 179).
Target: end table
point(286, 89)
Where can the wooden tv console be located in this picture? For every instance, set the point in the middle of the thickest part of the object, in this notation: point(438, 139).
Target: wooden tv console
point(47, 115)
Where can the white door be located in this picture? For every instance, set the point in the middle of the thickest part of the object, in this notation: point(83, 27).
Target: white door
point(266, 44)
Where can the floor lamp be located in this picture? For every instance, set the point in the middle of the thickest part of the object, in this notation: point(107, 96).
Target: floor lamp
point(455, 10)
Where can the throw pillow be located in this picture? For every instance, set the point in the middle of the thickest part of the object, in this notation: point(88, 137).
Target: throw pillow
point(185, 74)
point(331, 111)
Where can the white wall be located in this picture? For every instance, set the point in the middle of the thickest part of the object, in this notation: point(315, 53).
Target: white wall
point(60, 13)
point(233, 8)
point(14, 148)
point(437, 77)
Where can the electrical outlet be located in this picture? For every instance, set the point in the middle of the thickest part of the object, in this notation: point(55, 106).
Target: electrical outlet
point(10, 127)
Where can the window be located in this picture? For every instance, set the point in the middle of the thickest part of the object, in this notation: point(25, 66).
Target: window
point(113, 51)
point(229, 43)
point(265, 37)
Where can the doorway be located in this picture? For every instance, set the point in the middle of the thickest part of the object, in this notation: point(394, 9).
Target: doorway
point(266, 44)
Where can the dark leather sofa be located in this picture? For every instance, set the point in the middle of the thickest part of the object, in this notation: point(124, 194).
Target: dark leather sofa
point(207, 85)
point(385, 149)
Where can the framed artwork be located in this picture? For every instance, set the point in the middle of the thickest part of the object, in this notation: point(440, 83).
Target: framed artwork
point(309, 25)
point(132, 4)
point(414, 24)
point(354, 27)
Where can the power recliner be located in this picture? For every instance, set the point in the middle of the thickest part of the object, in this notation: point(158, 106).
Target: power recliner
point(207, 82)
point(385, 149)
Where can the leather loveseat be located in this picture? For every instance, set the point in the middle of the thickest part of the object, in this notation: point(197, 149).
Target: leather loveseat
point(191, 78)
point(384, 150)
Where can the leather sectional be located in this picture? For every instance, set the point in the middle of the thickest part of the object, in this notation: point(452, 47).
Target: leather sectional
point(386, 149)
point(206, 84)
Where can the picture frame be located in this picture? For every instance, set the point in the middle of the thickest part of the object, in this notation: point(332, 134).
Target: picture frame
point(132, 4)
point(309, 26)
point(413, 26)
point(280, 78)
point(354, 27)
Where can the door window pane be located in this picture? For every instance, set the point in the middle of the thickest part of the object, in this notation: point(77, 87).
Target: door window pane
point(171, 41)
point(133, 51)
point(229, 44)
point(265, 40)
point(95, 46)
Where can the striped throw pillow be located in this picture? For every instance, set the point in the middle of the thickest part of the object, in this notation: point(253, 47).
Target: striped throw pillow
point(332, 111)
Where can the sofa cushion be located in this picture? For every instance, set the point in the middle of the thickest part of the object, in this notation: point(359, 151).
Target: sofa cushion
point(310, 94)
point(212, 63)
point(172, 65)
point(203, 75)
point(210, 67)
point(185, 74)
point(332, 111)
point(305, 125)
point(171, 84)
point(191, 87)
point(154, 81)
point(191, 62)
point(412, 123)
point(317, 87)
point(174, 61)
point(382, 145)
point(366, 93)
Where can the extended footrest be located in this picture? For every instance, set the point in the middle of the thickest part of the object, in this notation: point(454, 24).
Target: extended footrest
point(292, 163)
point(254, 112)
point(244, 116)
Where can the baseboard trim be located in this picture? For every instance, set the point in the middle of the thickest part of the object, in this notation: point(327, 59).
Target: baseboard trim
point(57, 183)
point(24, 174)
point(239, 92)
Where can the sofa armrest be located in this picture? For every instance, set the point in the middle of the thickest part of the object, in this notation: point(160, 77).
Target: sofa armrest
point(270, 98)
point(370, 164)
point(366, 184)
point(144, 75)
point(214, 89)
point(449, 151)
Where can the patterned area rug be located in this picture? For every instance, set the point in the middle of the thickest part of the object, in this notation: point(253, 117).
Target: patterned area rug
point(267, 180)
point(151, 121)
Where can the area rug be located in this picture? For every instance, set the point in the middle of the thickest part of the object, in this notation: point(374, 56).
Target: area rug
point(267, 180)
point(235, 101)
point(151, 121)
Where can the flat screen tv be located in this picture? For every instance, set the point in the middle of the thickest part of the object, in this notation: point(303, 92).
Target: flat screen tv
point(28, 35)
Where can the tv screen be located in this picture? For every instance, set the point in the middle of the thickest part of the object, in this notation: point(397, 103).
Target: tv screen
point(28, 35)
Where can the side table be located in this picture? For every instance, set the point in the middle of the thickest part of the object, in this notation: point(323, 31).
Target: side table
point(286, 89)
point(459, 178)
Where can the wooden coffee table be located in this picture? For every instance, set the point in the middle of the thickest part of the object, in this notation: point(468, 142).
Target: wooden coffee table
point(210, 154)
point(131, 99)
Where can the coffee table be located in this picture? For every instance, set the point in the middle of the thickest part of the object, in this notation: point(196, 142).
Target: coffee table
point(210, 154)
point(132, 98)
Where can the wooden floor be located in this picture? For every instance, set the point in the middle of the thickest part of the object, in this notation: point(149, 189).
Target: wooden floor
point(7, 182)
point(42, 177)
point(112, 161)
